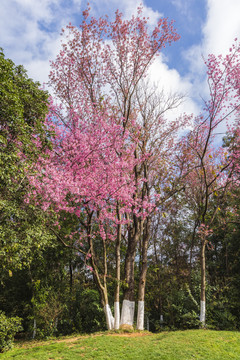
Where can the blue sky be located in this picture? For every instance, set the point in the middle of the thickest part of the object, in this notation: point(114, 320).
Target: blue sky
point(30, 35)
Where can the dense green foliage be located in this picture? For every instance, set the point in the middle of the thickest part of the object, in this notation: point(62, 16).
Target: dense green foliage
point(53, 293)
point(24, 229)
point(173, 287)
point(8, 328)
point(23, 107)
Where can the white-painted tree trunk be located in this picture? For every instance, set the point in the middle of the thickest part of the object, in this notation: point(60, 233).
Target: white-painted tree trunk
point(116, 315)
point(203, 312)
point(34, 328)
point(140, 315)
point(161, 321)
point(112, 319)
point(127, 315)
point(109, 317)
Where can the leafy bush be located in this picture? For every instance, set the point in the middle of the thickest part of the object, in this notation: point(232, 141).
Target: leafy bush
point(190, 320)
point(220, 316)
point(88, 315)
point(48, 308)
point(8, 328)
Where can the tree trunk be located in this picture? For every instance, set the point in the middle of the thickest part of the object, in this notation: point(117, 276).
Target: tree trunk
point(143, 275)
point(109, 317)
point(107, 310)
point(203, 285)
point(104, 298)
point(127, 316)
point(71, 275)
point(34, 328)
point(117, 289)
point(116, 315)
point(102, 285)
point(140, 315)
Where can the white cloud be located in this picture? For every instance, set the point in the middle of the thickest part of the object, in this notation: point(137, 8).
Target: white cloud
point(222, 26)
point(39, 68)
point(170, 81)
point(30, 33)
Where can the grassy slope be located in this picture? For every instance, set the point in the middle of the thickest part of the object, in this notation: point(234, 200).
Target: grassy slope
point(179, 345)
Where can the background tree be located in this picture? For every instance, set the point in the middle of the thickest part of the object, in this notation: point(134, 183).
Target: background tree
point(23, 107)
point(24, 232)
point(209, 168)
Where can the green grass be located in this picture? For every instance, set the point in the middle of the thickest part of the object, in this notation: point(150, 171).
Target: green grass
point(179, 345)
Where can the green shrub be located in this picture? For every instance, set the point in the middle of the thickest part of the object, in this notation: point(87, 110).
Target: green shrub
point(48, 308)
point(88, 313)
point(8, 328)
point(190, 320)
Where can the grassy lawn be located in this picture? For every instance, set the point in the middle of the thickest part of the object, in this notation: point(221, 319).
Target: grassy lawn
point(185, 345)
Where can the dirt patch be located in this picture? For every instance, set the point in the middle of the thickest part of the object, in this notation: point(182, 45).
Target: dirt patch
point(70, 340)
point(134, 334)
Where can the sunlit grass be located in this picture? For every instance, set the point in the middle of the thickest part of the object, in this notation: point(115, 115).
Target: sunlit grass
point(186, 345)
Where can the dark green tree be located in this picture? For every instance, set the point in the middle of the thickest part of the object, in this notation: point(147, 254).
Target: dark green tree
point(23, 107)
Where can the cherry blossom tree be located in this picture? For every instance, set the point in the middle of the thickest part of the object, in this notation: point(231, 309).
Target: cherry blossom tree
point(83, 174)
point(110, 139)
point(209, 167)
